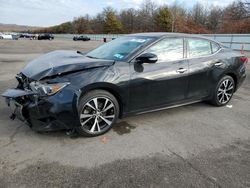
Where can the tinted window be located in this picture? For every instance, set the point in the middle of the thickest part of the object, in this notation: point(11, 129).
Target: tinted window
point(168, 49)
point(199, 47)
point(215, 47)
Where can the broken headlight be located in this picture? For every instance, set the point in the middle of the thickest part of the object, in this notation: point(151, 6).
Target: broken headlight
point(44, 89)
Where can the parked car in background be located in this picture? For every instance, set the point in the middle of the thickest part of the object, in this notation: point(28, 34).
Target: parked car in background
point(6, 36)
point(24, 35)
point(45, 36)
point(81, 37)
point(27, 36)
point(1, 35)
point(133, 74)
point(15, 37)
point(9, 36)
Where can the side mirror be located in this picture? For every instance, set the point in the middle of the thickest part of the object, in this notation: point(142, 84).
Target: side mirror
point(147, 58)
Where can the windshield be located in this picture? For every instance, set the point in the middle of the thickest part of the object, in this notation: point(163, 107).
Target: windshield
point(120, 48)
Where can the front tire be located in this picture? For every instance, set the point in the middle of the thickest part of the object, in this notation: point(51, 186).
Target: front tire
point(224, 91)
point(98, 111)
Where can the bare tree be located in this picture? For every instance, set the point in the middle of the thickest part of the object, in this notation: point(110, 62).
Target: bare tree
point(97, 23)
point(145, 19)
point(178, 17)
point(199, 14)
point(235, 18)
point(214, 19)
point(128, 19)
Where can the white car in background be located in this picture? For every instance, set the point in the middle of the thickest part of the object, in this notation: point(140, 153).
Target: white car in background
point(6, 36)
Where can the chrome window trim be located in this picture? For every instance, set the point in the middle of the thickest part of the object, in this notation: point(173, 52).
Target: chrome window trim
point(185, 48)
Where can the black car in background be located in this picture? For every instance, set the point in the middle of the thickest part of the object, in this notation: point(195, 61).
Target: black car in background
point(133, 74)
point(25, 35)
point(81, 37)
point(28, 36)
point(45, 36)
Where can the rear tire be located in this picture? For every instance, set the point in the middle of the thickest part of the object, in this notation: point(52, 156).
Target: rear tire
point(224, 91)
point(98, 111)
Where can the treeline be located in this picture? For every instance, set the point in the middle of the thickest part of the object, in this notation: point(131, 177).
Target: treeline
point(235, 18)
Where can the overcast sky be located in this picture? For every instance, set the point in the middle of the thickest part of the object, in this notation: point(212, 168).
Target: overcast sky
point(52, 12)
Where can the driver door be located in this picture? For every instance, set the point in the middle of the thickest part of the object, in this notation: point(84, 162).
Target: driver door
point(162, 83)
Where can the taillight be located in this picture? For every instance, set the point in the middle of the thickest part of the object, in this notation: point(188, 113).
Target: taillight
point(244, 59)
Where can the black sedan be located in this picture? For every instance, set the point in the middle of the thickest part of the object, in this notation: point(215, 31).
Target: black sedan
point(137, 73)
point(45, 36)
point(82, 38)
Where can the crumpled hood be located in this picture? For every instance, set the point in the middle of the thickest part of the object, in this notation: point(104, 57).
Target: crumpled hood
point(58, 62)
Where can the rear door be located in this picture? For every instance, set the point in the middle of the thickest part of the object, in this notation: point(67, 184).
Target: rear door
point(201, 59)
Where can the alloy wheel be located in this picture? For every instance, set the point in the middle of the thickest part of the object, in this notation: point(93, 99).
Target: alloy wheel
point(225, 91)
point(97, 115)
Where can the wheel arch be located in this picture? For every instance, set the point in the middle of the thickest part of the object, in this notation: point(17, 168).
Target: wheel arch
point(111, 88)
point(233, 75)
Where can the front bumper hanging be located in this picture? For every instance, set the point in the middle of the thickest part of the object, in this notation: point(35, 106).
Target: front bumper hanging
point(13, 98)
point(41, 114)
point(16, 109)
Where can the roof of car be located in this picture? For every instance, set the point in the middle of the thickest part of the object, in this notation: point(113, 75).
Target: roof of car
point(162, 34)
point(168, 34)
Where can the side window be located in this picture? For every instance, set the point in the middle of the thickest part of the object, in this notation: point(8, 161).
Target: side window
point(215, 47)
point(199, 47)
point(168, 49)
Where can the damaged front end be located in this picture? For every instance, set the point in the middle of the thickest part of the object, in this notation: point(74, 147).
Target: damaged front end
point(36, 104)
point(49, 88)
point(19, 98)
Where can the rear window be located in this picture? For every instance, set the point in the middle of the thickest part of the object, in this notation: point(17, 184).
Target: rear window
point(199, 47)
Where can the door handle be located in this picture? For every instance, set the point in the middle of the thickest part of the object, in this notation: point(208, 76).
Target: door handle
point(181, 70)
point(218, 64)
